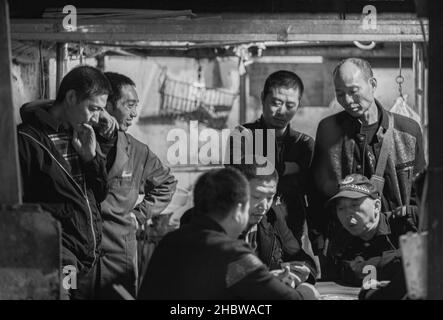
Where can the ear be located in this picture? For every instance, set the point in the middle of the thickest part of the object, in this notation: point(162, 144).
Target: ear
point(262, 98)
point(373, 83)
point(237, 215)
point(377, 207)
point(71, 97)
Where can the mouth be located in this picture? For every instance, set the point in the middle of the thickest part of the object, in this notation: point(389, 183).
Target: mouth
point(258, 214)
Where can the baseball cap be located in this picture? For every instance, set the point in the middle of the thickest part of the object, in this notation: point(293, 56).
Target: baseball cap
point(356, 186)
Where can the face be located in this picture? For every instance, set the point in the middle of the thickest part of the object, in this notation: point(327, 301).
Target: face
point(280, 106)
point(85, 111)
point(260, 199)
point(125, 109)
point(353, 90)
point(358, 216)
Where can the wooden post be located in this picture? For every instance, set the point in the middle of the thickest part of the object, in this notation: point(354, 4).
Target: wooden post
point(435, 198)
point(243, 98)
point(10, 188)
point(61, 63)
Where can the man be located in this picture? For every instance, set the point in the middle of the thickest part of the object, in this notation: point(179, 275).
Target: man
point(267, 231)
point(133, 169)
point(63, 169)
point(371, 237)
point(205, 260)
point(280, 99)
point(351, 142)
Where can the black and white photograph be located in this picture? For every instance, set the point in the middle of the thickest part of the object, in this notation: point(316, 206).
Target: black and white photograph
point(219, 156)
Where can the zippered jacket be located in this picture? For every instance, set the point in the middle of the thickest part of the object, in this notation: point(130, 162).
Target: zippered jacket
point(47, 181)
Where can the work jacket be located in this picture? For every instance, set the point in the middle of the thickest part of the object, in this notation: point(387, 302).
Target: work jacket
point(200, 261)
point(135, 171)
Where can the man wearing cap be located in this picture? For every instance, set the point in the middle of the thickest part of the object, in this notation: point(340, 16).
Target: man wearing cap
point(369, 236)
point(352, 141)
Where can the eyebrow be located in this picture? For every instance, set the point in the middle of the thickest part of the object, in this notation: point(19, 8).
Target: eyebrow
point(95, 106)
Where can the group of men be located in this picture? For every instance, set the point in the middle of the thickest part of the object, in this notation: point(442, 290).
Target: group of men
point(350, 192)
point(79, 163)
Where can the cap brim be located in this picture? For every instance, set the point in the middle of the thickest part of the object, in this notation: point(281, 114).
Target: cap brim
point(348, 194)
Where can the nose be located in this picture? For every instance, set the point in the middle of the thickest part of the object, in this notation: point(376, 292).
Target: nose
point(95, 117)
point(349, 99)
point(133, 113)
point(281, 109)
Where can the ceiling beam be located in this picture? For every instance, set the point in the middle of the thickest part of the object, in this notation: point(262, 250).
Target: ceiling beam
point(229, 28)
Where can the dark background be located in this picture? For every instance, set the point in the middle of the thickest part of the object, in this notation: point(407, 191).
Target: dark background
point(34, 9)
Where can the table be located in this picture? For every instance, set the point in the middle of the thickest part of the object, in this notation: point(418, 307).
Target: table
point(333, 291)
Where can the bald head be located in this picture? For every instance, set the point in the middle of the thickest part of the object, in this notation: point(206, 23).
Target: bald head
point(353, 65)
point(355, 86)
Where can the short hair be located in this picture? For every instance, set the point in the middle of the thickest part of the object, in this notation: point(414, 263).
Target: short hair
point(86, 81)
point(218, 192)
point(283, 78)
point(250, 170)
point(117, 81)
point(362, 64)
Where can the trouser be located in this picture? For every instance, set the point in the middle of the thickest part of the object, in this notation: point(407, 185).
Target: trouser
point(77, 282)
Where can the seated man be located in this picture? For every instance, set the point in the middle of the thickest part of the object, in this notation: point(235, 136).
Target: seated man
point(267, 231)
point(370, 237)
point(205, 259)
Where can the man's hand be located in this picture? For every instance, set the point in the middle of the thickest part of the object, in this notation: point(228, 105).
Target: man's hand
point(107, 124)
point(84, 141)
point(308, 291)
point(301, 271)
point(287, 277)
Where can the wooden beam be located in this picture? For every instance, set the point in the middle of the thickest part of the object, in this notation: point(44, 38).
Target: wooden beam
point(10, 188)
point(435, 199)
point(222, 28)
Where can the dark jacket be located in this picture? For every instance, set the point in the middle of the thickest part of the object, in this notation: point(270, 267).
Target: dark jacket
point(47, 180)
point(200, 261)
point(341, 149)
point(295, 148)
point(350, 254)
point(275, 242)
point(136, 170)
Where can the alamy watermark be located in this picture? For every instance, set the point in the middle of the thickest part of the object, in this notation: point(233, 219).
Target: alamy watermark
point(70, 20)
point(222, 147)
point(70, 278)
point(369, 18)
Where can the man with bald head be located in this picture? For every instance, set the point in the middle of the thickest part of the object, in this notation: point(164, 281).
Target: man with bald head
point(351, 142)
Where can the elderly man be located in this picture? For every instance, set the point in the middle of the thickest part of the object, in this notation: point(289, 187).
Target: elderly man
point(133, 169)
point(204, 259)
point(370, 236)
point(365, 139)
point(64, 171)
point(280, 99)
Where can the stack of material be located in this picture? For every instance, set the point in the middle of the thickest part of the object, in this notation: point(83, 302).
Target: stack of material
point(109, 13)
